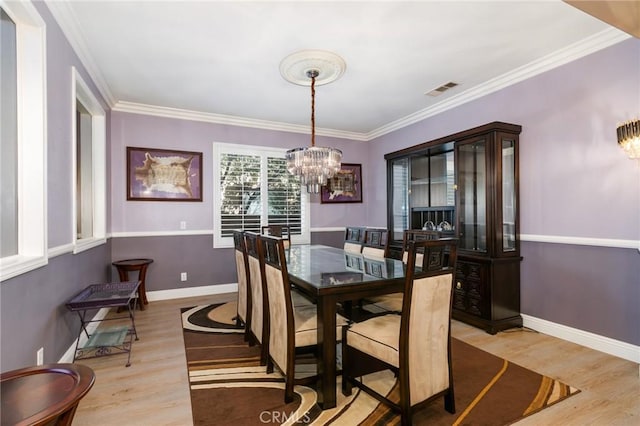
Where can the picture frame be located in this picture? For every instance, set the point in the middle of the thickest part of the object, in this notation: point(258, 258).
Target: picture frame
point(155, 174)
point(344, 187)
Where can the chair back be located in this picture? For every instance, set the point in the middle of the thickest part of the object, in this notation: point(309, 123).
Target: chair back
point(281, 231)
point(416, 235)
point(255, 286)
point(353, 239)
point(425, 325)
point(242, 270)
point(376, 242)
point(277, 290)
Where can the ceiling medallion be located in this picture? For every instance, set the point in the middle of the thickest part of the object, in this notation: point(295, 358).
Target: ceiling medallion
point(295, 68)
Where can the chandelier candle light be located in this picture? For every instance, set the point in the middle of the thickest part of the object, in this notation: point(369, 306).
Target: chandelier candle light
point(315, 165)
point(629, 138)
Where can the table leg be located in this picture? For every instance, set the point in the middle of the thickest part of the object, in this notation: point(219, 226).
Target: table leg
point(123, 274)
point(327, 352)
point(142, 291)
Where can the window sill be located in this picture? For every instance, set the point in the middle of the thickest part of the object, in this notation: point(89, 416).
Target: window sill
point(17, 265)
point(87, 244)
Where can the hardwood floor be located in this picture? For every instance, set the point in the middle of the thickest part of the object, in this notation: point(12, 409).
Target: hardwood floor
point(154, 389)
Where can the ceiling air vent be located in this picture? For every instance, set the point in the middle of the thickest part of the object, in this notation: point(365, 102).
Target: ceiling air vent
point(440, 90)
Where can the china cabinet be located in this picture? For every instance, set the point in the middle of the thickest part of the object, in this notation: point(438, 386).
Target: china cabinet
point(466, 185)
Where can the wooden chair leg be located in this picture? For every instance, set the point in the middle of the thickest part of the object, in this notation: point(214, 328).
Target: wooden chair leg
point(288, 390)
point(264, 355)
point(449, 401)
point(347, 387)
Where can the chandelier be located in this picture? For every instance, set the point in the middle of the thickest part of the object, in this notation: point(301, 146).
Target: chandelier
point(315, 165)
point(629, 138)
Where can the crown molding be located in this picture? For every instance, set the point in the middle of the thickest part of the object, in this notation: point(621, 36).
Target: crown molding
point(230, 120)
point(577, 50)
point(67, 21)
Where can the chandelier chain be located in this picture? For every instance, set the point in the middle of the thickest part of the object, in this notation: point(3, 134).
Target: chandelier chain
point(313, 110)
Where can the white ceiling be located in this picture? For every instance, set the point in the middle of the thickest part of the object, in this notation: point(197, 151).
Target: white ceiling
point(219, 60)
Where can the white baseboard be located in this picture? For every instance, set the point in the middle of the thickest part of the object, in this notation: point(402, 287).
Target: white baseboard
point(594, 341)
point(69, 354)
point(179, 293)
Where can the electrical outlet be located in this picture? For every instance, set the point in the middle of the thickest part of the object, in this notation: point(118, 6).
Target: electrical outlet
point(183, 224)
point(40, 356)
point(183, 276)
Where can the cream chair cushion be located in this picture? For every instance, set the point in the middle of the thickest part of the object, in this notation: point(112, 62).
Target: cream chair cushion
point(352, 247)
point(419, 257)
point(378, 337)
point(377, 253)
point(388, 302)
point(256, 298)
point(299, 300)
point(305, 319)
point(242, 285)
point(428, 337)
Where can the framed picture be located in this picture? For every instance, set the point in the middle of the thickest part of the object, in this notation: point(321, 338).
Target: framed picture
point(345, 186)
point(163, 175)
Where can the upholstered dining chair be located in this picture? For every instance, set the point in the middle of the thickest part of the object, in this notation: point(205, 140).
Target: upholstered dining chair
point(243, 316)
point(376, 242)
point(255, 330)
point(416, 235)
point(289, 327)
point(281, 231)
point(353, 239)
point(393, 302)
point(259, 312)
point(415, 345)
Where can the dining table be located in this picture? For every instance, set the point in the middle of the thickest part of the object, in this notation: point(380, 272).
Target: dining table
point(328, 276)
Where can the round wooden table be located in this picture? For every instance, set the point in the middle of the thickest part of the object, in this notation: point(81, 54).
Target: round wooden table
point(43, 395)
point(140, 265)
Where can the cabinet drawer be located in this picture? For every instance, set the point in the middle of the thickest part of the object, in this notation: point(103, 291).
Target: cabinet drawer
point(470, 293)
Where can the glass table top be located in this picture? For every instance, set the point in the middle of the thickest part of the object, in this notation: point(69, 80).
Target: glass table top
point(323, 266)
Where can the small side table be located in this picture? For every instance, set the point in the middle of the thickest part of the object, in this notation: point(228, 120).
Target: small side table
point(140, 265)
point(47, 394)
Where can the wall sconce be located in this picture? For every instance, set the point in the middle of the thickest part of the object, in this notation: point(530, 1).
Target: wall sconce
point(629, 138)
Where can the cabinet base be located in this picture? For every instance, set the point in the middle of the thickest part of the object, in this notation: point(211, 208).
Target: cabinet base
point(490, 326)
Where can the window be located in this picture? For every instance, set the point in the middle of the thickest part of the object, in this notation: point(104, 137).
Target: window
point(9, 129)
point(252, 188)
point(89, 175)
point(23, 155)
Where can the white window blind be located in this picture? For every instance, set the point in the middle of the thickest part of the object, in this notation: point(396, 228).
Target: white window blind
point(253, 188)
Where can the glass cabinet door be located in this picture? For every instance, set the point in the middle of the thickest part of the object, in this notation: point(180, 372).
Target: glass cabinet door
point(509, 205)
point(472, 195)
point(399, 214)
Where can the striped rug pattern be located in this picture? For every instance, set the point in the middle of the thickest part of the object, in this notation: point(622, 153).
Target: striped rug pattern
point(229, 387)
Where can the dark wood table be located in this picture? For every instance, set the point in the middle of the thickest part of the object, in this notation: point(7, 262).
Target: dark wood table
point(330, 275)
point(45, 395)
point(135, 265)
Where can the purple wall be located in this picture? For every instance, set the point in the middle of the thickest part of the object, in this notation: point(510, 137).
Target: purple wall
point(32, 308)
point(575, 182)
point(156, 132)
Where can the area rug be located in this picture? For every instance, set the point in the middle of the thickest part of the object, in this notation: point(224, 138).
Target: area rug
point(229, 387)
